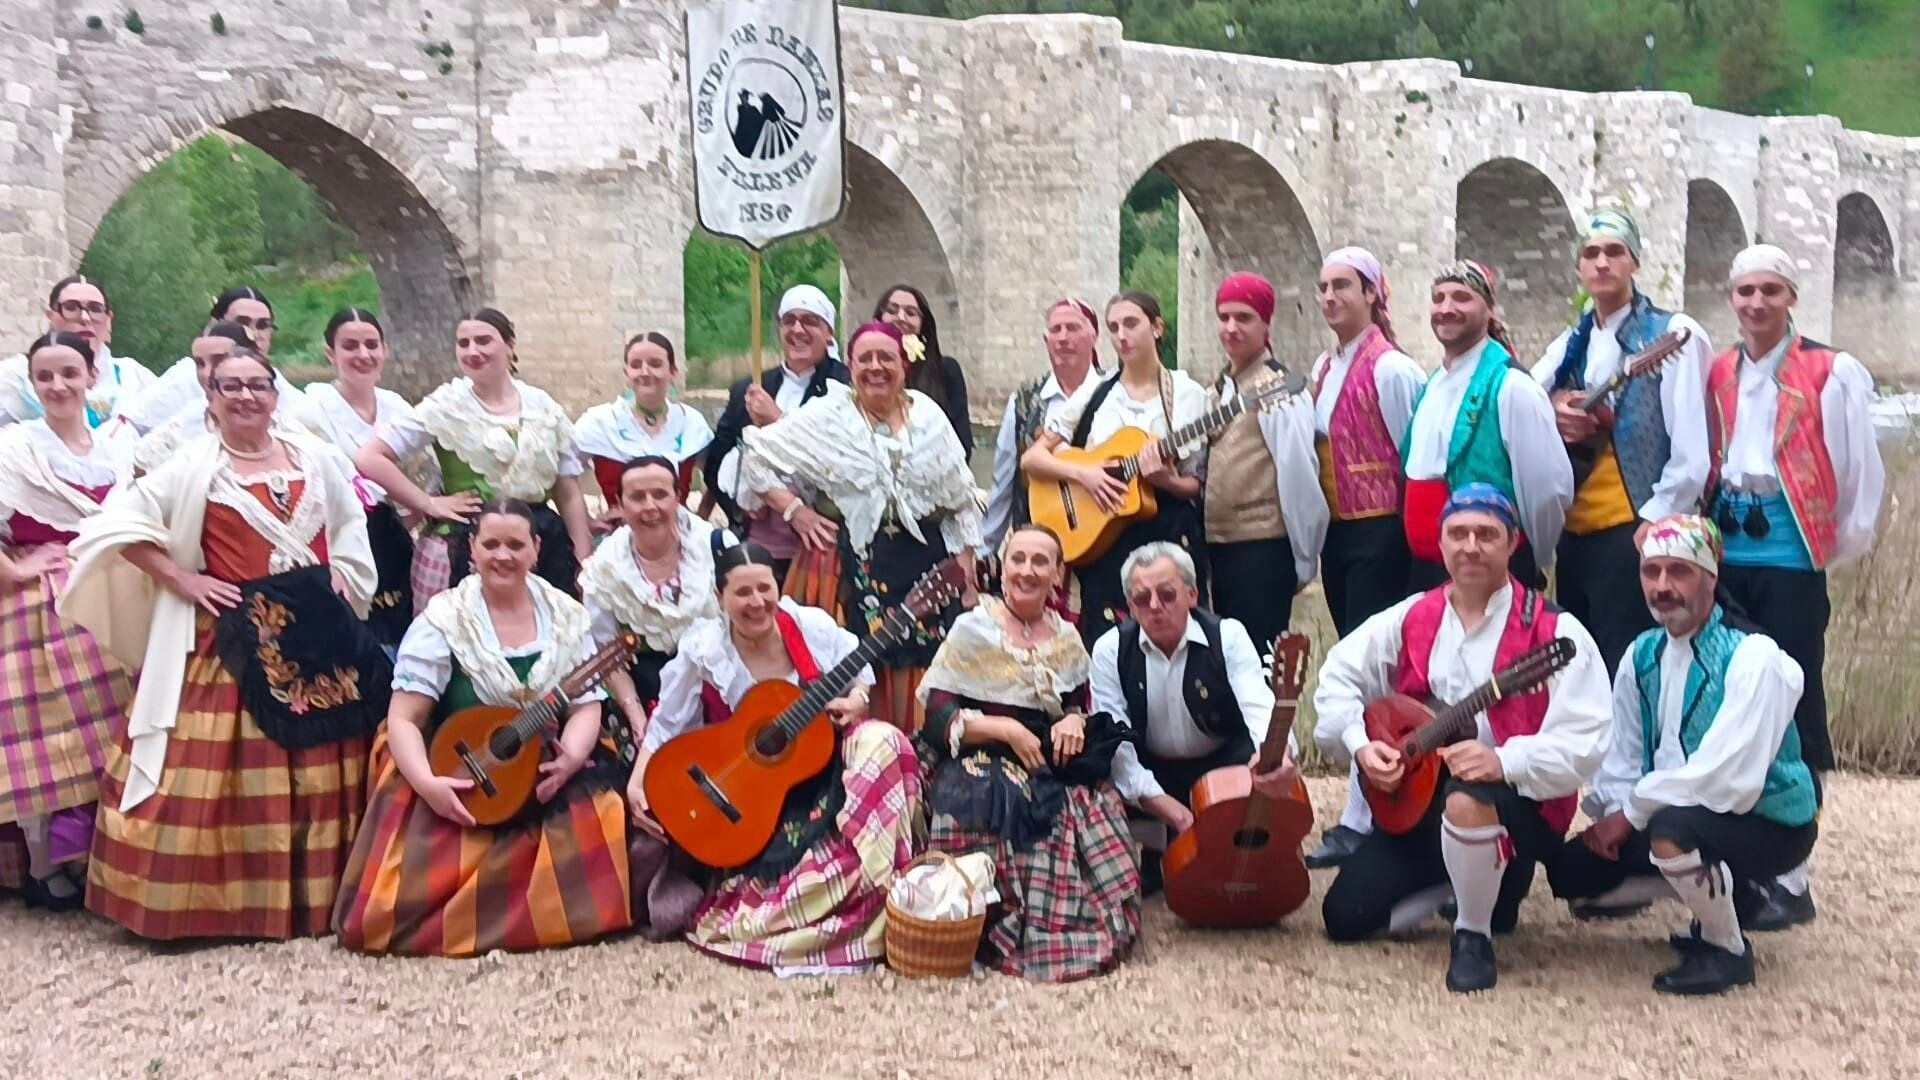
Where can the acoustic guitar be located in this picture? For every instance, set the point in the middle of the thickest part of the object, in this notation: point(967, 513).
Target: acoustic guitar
point(499, 747)
point(1087, 532)
point(718, 790)
point(1240, 865)
point(1586, 454)
point(1417, 730)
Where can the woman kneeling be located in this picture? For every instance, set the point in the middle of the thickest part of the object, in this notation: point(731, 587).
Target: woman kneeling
point(423, 878)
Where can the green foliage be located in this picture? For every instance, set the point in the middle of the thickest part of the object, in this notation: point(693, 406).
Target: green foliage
point(1753, 68)
point(94, 23)
point(134, 23)
point(719, 320)
point(1157, 271)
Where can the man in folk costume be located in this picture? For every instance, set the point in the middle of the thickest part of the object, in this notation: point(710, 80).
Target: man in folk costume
point(1510, 792)
point(1703, 789)
point(1652, 454)
point(1796, 488)
point(1265, 515)
point(1363, 394)
point(1473, 424)
point(1073, 335)
point(1192, 687)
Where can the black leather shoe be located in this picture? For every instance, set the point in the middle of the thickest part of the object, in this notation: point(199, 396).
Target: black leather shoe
point(1779, 908)
point(1335, 845)
point(38, 895)
point(1708, 969)
point(1472, 968)
point(1687, 942)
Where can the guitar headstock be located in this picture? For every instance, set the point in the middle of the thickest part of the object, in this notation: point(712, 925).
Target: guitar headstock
point(1536, 667)
point(1662, 349)
point(612, 656)
point(1281, 386)
point(939, 587)
point(1290, 654)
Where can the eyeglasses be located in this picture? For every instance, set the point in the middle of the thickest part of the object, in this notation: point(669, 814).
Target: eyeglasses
point(1754, 523)
point(73, 309)
point(251, 323)
point(233, 388)
point(1167, 596)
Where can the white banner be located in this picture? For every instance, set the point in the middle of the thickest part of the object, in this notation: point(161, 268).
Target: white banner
point(763, 79)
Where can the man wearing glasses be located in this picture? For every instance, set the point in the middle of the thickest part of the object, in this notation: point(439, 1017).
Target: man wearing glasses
point(1796, 488)
point(1192, 687)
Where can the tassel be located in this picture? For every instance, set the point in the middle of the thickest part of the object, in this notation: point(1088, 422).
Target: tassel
point(1757, 525)
point(1505, 847)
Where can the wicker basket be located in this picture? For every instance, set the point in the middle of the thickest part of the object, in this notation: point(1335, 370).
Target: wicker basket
point(931, 948)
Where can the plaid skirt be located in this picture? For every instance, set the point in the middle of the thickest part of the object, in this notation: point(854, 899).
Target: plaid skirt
point(420, 885)
point(432, 570)
point(829, 911)
point(1070, 905)
point(245, 838)
point(13, 857)
point(60, 698)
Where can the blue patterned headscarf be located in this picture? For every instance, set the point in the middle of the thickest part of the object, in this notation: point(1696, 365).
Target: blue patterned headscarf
point(1611, 225)
point(1482, 499)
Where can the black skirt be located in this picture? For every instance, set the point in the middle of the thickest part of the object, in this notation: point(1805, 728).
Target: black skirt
point(1103, 596)
point(882, 580)
point(393, 560)
point(556, 564)
point(309, 671)
point(988, 787)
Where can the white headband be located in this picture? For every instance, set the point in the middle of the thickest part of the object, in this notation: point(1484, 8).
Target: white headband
point(810, 299)
point(1764, 258)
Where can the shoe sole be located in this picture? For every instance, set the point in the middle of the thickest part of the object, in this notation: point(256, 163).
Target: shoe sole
point(1701, 991)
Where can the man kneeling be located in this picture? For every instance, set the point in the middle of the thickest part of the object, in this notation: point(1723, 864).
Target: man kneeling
point(1703, 787)
point(1511, 793)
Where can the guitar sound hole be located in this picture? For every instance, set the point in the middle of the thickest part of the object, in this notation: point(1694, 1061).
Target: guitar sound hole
point(770, 743)
point(1251, 839)
point(503, 745)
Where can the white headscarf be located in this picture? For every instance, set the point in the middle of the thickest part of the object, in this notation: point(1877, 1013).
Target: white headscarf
point(1764, 258)
point(811, 300)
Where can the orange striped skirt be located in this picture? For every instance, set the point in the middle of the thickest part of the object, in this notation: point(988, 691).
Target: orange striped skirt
point(245, 838)
point(418, 884)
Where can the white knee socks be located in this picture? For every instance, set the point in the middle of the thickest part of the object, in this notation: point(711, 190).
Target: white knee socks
point(1475, 863)
point(1799, 879)
point(1708, 890)
point(1358, 816)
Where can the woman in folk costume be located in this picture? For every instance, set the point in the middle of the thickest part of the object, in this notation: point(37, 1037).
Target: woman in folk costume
point(493, 436)
point(423, 878)
point(186, 416)
point(933, 372)
point(1016, 766)
point(347, 413)
point(1142, 394)
point(815, 899)
point(62, 694)
point(180, 391)
point(77, 305)
point(642, 422)
point(895, 498)
point(235, 577)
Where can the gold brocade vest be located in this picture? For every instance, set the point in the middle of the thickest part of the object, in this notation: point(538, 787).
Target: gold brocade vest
point(1243, 498)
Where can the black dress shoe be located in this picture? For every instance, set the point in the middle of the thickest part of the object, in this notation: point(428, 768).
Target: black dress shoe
point(1472, 967)
point(38, 895)
point(1687, 942)
point(1708, 969)
point(1335, 845)
point(1779, 908)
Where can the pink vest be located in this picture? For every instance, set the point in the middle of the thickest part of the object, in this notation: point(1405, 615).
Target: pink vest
point(1367, 477)
point(1799, 438)
point(1530, 624)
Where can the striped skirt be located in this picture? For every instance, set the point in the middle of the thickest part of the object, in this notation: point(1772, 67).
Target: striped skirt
point(830, 911)
point(245, 838)
point(420, 885)
point(60, 700)
point(1069, 905)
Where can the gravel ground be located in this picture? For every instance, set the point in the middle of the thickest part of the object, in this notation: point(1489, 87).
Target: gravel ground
point(1838, 998)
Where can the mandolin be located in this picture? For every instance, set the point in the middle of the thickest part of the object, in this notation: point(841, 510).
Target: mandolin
point(1586, 454)
point(498, 747)
point(1239, 865)
point(1087, 532)
point(718, 790)
point(1417, 730)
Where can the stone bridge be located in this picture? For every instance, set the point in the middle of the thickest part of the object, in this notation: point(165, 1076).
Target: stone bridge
point(533, 154)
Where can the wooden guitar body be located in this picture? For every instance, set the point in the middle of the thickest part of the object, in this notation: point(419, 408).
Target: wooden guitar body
point(718, 790)
point(510, 766)
point(1395, 720)
point(1086, 532)
point(1220, 873)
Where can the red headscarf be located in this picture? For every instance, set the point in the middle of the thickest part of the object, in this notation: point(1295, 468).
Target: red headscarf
point(1252, 290)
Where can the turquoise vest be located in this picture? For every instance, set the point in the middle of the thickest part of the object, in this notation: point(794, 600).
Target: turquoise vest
point(1477, 453)
point(1788, 797)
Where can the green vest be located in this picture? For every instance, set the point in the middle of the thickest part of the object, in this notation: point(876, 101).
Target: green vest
point(1477, 453)
point(1788, 797)
point(457, 476)
point(460, 694)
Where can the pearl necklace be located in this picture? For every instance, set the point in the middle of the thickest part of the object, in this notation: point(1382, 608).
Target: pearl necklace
point(247, 455)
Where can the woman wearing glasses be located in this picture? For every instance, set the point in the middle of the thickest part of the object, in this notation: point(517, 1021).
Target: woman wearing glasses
point(77, 305)
point(181, 393)
point(234, 577)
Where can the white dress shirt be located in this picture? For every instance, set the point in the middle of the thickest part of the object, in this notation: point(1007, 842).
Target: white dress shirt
point(1846, 414)
point(1168, 727)
point(793, 386)
point(1396, 378)
point(1287, 429)
point(1542, 475)
point(1549, 764)
point(1682, 405)
point(1728, 770)
point(1006, 456)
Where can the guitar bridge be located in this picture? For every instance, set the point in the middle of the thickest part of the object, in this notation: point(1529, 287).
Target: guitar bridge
point(713, 793)
point(476, 770)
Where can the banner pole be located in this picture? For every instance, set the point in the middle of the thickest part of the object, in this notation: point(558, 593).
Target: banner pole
point(753, 266)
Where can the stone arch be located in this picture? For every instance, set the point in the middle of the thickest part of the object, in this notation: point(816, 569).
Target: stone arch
point(412, 224)
point(1248, 217)
point(1715, 234)
point(1512, 217)
point(1867, 313)
point(885, 235)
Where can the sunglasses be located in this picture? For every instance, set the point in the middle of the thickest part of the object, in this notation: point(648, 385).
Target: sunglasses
point(1166, 596)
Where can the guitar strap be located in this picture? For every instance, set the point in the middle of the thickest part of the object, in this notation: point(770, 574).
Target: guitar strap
point(1166, 410)
point(1083, 430)
point(796, 642)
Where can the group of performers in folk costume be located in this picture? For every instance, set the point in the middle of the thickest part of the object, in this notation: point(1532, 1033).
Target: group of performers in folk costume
point(240, 614)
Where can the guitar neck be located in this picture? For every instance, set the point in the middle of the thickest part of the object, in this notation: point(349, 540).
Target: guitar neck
point(1456, 721)
point(1205, 424)
point(835, 681)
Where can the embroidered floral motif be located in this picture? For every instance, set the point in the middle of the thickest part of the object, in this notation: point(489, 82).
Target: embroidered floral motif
point(301, 694)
